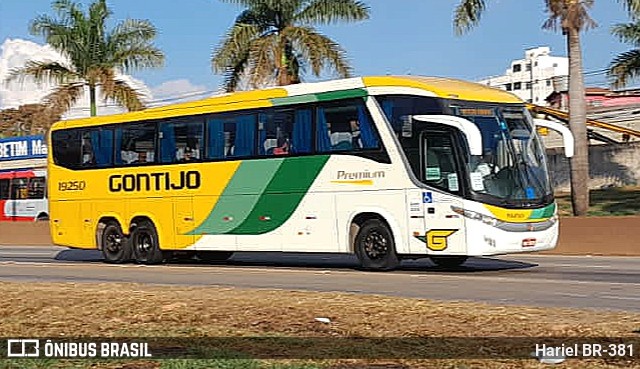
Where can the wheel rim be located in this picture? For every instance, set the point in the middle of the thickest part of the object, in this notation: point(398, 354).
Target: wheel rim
point(144, 244)
point(376, 245)
point(113, 242)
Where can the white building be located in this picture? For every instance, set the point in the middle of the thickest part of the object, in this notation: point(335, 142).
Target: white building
point(532, 78)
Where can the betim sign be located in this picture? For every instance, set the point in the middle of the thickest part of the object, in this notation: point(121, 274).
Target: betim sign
point(26, 147)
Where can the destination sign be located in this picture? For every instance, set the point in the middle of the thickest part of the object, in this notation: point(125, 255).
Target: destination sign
point(26, 147)
point(477, 112)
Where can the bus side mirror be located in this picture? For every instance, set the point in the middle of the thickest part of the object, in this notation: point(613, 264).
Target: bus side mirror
point(470, 130)
point(567, 136)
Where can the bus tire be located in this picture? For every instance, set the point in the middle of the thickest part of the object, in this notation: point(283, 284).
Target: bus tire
point(114, 244)
point(448, 261)
point(374, 246)
point(42, 217)
point(214, 256)
point(144, 241)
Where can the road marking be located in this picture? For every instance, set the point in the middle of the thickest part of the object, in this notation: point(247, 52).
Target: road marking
point(26, 253)
point(612, 297)
point(581, 265)
point(573, 295)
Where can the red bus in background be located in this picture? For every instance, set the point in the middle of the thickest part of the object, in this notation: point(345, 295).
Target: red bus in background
point(23, 195)
point(23, 178)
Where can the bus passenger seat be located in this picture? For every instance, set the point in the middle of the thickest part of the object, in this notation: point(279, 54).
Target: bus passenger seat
point(341, 141)
point(269, 145)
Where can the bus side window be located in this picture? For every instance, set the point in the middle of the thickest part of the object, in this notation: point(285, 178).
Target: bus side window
point(397, 106)
point(303, 131)
point(181, 141)
point(4, 189)
point(97, 146)
point(231, 136)
point(215, 138)
point(243, 143)
point(440, 168)
point(67, 148)
point(19, 190)
point(345, 126)
point(36, 188)
point(285, 132)
point(135, 143)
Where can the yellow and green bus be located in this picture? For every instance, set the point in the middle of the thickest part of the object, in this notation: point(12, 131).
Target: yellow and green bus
point(384, 167)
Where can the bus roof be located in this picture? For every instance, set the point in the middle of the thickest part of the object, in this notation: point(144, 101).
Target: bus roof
point(448, 88)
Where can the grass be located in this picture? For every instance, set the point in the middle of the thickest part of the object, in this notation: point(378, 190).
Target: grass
point(129, 310)
point(606, 202)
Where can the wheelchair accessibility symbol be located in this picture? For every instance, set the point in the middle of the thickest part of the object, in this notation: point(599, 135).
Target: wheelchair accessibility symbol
point(427, 197)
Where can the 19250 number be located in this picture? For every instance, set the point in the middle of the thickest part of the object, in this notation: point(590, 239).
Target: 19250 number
point(72, 185)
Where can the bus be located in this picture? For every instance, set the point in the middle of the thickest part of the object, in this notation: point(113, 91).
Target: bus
point(383, 167)
point(23, 195)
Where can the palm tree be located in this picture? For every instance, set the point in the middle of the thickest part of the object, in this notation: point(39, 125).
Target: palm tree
point(626, 66)
point(272, 40)
point(572, 17)
point(95, 55)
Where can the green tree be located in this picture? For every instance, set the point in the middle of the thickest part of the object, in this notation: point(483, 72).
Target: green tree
point(272, 40)
point(94, 55)
point(572, 17)
point(626, 66)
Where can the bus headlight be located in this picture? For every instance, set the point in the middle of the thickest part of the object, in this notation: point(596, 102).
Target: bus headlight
point(476, 216)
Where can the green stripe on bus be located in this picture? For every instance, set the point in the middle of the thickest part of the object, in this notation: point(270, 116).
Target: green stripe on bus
point(322, 96)
point(283, 194)
point(345, 94)
point(549, 211)
point(546, 212)
point(239, 197)
point(279, 101)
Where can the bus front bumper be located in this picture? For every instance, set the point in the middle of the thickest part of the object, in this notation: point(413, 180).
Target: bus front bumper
point(484, 240)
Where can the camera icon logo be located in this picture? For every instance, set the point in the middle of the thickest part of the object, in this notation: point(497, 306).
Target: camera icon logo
point(23, 348)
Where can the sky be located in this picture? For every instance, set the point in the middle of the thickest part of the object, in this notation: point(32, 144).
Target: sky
point(401, 37)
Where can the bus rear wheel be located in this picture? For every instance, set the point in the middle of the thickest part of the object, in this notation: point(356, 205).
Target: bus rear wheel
point(214, 256)
point(448, 261)
point(115, 247)
point(375, 247)
point(144, 241)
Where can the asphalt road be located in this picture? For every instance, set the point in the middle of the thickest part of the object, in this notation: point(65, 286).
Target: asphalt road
point(536, 280)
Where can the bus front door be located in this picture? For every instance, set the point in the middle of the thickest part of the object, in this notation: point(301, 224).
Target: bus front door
point(444, 228)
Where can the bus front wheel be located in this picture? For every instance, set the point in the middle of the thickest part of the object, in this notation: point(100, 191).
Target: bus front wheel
point(144, 240)
point(115, 248)
point(448, 261)
point(375, 247)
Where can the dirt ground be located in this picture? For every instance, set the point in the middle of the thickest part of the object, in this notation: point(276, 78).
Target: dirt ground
point(599, 236)
point(578, 235)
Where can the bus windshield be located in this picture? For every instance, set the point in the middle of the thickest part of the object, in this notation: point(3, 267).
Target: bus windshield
point(512, 168)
